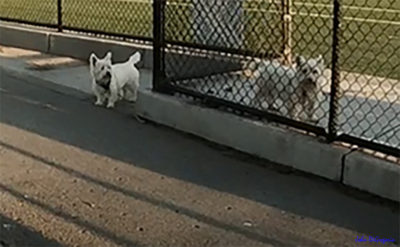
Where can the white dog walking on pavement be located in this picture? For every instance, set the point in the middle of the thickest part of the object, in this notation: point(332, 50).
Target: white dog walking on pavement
point(112, 82)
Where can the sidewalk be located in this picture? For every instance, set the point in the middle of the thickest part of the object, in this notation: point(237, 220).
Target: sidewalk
point(87, 176)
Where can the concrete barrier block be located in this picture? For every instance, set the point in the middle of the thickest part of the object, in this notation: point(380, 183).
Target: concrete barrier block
point(374, 175)
point(81, 47)
point(24, 38)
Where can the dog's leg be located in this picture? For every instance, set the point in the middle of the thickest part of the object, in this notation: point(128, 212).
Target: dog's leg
point(114, 94)
point(253, 102)
point(134, 95)
point(121, 94)
point(310, 111)
point(271, 101)
point(292, 109)
point(100, 97)
point(131, 95)
point(258, 99)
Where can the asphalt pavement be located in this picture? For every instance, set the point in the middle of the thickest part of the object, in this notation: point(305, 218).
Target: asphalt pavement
point(82, 175)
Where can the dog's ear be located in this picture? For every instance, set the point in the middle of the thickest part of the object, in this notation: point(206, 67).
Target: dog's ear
point(108, 56)
point(300, 60)
point(93, 59)
point(320, 61)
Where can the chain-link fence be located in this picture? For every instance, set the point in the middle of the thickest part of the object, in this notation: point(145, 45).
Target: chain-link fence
point(326, 66)
point(331, 67)
point(119, 18)
point(41, 12)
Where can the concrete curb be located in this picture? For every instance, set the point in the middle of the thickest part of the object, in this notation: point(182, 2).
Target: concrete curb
point(285, 147)
point(281, 146)
point(373, 175)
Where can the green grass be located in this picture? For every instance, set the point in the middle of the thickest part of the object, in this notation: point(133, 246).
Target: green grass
point(44, 11)
point(366, 45)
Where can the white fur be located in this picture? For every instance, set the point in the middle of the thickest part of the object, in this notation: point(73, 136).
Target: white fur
point(293, 88)
point(124, 79)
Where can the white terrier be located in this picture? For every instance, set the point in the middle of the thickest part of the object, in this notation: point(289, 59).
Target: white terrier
point(296, 88)
point(113, 82)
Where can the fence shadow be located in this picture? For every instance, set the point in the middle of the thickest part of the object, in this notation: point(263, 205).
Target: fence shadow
point(87, 225)
point(138, 196)
point(14, 234)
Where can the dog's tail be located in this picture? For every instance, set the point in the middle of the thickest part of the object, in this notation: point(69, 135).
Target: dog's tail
point(135, 58)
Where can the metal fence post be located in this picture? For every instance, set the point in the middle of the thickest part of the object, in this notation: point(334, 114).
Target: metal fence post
point(335, 83)
point(59, 15)
point(158, 45)
point(287, 31)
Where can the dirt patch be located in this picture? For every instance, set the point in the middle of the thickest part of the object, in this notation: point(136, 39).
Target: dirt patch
point(39, 61)
point(11, 52)
point(53, 63)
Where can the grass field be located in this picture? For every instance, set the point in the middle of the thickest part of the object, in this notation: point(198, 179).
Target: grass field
point(370, 31)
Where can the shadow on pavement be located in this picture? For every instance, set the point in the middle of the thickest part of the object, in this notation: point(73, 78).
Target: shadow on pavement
point(138, 196)
point(14, 234)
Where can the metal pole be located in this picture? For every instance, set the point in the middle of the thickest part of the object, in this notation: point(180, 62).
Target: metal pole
point(158, 45)
point(59, 15)
point(287, 31)
point(335, 84)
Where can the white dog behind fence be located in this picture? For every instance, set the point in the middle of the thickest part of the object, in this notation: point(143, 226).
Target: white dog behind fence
point(296, 89)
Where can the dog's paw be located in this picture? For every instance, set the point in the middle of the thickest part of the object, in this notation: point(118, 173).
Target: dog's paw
point(313, 120)
point(121, 95)
point(98, 103)
point(110, 105)
point(130, 99)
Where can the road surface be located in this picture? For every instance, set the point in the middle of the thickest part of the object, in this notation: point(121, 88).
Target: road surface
point(72, 174)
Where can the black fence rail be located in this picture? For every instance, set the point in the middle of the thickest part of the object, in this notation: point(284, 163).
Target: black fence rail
point(330, 67)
